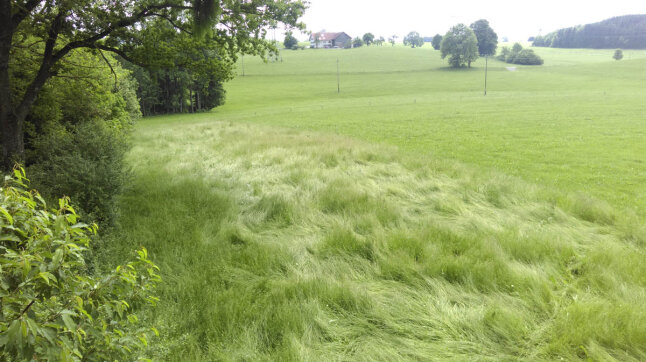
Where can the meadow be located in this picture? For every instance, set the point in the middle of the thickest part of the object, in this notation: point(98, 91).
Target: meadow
point(406, 217)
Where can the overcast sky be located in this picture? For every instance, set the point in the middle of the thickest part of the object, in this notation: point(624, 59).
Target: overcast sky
point(514, 19)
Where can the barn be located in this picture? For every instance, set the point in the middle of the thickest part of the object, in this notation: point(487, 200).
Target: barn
point(329, 40)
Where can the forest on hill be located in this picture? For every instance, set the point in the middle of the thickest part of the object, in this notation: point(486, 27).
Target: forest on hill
point(626, 32)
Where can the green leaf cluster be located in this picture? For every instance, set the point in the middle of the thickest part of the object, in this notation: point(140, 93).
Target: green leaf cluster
point(52, 307)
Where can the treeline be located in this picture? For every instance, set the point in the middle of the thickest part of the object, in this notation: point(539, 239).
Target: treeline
point(626, 32)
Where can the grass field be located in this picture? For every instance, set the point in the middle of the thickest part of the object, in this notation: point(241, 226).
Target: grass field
point(408, 217)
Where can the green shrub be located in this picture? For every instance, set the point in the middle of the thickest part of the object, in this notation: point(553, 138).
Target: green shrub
point(84, 162)
point(52, 308)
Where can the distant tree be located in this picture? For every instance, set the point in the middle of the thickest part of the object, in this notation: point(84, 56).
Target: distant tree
point(504, 54)
point(531, 38)
point(619, 55)
point(437, 41)
point(413, 39)
point(357, 42)
point(290, 42)
point(460, 45)
point(368, 38)
point(487, 38)
point(516, 48)
point(505, 39)
point(392, 39)
point(380, 41)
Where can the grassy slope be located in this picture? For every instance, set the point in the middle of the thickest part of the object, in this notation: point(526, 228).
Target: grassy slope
point(576, 123)
point(286, 244)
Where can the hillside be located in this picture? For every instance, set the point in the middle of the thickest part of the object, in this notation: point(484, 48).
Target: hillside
point(624, 32)
point(407, 218)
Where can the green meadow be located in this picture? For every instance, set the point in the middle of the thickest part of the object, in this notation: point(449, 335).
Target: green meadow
point(407, 217)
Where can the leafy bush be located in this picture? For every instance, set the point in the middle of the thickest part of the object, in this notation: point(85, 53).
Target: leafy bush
point(84, 162)
point(527, 57)
point(52, 308)
point(518, 55)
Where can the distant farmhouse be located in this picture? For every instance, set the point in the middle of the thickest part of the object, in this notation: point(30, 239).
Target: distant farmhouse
point(329, 40)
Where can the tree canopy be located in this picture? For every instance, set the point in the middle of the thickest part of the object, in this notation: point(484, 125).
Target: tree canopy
point(460, 45)
point(413, 39)
point(487, 38)
point(368, 38)
point(52, 30)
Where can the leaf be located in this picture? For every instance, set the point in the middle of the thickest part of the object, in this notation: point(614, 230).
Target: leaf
point(6, 215)
point(69, 322)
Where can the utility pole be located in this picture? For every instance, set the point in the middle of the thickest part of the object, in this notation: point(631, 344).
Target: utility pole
point(338, 81)
point(486, 64)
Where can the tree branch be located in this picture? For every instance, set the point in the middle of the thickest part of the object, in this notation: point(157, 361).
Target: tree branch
point(111, 69)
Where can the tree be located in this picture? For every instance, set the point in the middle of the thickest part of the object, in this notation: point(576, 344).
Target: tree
point(487, 38)
point(357, 42)
point(619, 55)
point(437, 41)
point(460, 45)
point(368, 38)
point(380, 41)
point(290, 41)
point(392, 40)
point(61, 27)
point(413, 39)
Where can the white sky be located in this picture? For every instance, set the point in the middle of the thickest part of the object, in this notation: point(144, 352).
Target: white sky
point(514, 19)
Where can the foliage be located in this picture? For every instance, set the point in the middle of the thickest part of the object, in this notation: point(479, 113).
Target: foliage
point(368, 38)
point(52, 308)
point(59, 28)
point(487, 38)
point(76, 131)
point(627, 32)
point(83, 161)
point(460, 45)
point(290, 41)
point(380, 41)
point(437, 41)
point(357, 42)
point(413, 39)
point(518, 55)
point(618, 55)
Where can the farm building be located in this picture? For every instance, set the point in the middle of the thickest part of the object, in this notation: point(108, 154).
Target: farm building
point(329, 40)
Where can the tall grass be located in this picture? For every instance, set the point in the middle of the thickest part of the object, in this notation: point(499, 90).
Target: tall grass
point(279, 244)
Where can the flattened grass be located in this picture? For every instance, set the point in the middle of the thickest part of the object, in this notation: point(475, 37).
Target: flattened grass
point(278, 244)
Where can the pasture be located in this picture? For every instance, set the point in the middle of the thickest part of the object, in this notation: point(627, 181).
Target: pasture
point(407, 217)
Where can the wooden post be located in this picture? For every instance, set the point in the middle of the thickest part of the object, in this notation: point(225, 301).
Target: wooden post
point(338, 81)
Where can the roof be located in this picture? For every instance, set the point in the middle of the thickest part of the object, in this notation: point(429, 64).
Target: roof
point(326, 36)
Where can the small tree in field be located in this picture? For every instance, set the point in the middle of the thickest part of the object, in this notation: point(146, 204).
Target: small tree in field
point(413, 39)
point(357, 42)
point(460, 45)
point(437, 41)
point(619, 55)
point(290, 41)
point(368, 38)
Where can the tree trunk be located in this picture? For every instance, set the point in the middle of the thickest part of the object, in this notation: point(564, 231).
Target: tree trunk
point(13, 147)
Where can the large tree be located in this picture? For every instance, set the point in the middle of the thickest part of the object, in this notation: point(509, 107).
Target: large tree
point(460, 45)
point(487, 38)
point(53, 29)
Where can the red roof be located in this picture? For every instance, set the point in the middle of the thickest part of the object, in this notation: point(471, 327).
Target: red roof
point(326, 36)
